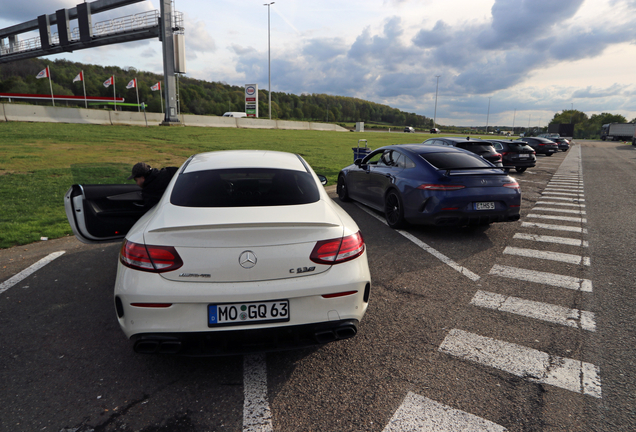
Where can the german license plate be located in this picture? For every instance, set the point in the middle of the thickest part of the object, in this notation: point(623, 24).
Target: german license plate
point(523, 156)
point(248, 313)
point(484, 206)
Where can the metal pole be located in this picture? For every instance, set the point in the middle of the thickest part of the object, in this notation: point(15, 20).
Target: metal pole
point(50, 84)
point(435, 114)
point(84, 86)
point(269, 61)
point(169, 84)
point(137, 90)
point(513, 121)
point(488, 116)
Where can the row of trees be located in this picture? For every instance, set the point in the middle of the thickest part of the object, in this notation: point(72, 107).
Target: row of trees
point(196, 96)
point(587, 127)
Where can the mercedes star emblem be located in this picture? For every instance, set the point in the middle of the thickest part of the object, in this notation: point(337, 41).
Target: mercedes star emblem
point(247, 259)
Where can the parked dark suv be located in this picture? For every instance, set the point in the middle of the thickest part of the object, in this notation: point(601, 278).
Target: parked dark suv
point(515, 154)
point(540, 145)
point(483, 148)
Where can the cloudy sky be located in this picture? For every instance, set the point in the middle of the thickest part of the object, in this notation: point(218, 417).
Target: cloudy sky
point(528, 58)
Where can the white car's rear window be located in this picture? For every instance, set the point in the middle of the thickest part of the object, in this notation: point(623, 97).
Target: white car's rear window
point(244, 187)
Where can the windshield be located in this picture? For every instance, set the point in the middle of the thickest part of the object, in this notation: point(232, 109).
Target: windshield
point(454, 160)
point(244, 187)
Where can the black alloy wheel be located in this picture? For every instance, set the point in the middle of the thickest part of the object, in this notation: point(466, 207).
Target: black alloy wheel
point(343, 193)
point(521, 169)
point(393, 210)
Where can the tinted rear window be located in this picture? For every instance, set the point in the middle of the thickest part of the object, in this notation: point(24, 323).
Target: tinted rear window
point(244, 187)
point(517, 147)
point(475, 146)
point(454, 160)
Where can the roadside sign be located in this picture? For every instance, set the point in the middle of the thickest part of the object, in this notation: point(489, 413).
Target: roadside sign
point(251, 100)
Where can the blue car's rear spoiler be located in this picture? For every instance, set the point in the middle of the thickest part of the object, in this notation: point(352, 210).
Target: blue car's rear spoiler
point(505, 170)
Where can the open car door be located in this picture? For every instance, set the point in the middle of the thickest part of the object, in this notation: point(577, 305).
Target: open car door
point(103, 213)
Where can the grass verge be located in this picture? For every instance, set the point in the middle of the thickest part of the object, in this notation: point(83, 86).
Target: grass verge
point(40, 161)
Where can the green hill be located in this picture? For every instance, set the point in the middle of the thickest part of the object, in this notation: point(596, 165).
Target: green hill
point(197, 96)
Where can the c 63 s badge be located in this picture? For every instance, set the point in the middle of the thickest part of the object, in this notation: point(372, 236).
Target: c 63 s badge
point(302, 270)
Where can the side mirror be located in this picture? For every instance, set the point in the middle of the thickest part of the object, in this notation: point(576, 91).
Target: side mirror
point(358, 162)
point(323, 179)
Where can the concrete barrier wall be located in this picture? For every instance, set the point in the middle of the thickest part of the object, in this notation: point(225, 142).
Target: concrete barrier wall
point(295, 125)
point(208, 121)
point(252, 123)
point(130, 118)
point(36, 113)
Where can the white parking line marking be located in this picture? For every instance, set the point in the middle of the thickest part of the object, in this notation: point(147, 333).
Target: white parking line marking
point(544, 278)
point(443, 258)
point(537, 310)
point(564, 194)
point(554, 227)
point(561, 218)
point(530, 364)
point(29, 271)
point(581, 212)
point(574, 200)
point(547, 255)
point(419, 413)
point(257, 416)
point(560, 203)
point(565, 183)
point(563, 189)
point(551, 239)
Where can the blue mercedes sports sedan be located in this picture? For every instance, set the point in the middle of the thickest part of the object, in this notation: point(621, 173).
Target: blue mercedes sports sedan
point(431, 185)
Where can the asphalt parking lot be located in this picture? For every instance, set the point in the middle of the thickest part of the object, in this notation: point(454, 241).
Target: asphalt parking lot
point(517, 326)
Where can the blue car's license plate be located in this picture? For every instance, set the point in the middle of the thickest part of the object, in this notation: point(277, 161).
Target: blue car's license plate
point(484, 206)
point(248, 313)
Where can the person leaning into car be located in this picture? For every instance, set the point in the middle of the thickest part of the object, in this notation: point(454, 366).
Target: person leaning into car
point(152, 181)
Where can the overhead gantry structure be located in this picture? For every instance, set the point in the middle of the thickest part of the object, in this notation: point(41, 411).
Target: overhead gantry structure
point(163, 24)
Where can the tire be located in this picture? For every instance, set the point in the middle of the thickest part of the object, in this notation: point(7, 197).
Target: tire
point(521, 169)
point(394, 209)
point(343, 193)
point(549, 154)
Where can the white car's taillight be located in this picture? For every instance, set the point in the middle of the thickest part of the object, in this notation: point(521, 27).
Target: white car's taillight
point(336, 251)
point(155, 259)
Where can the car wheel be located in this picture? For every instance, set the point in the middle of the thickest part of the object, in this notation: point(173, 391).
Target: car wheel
point(521, 169)
point(343, 193)
point(549, 154)
point(394, 210)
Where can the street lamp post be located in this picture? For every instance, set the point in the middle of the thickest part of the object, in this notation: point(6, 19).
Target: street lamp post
point(269, 61)
point(488, 116)
point(435, 114)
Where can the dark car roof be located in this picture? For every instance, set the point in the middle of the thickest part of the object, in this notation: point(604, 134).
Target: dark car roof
point(419, 148)
point(545, 140)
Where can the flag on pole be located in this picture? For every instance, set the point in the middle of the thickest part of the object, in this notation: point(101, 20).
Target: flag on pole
point(79, 77)
point(156, 86)
point(43, 73)
point(132, 83)
point(109, 82)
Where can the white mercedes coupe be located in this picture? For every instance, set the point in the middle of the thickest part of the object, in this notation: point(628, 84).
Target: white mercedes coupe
point(245, 252)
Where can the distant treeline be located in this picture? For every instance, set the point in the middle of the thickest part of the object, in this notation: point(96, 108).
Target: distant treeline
point(196, 96)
